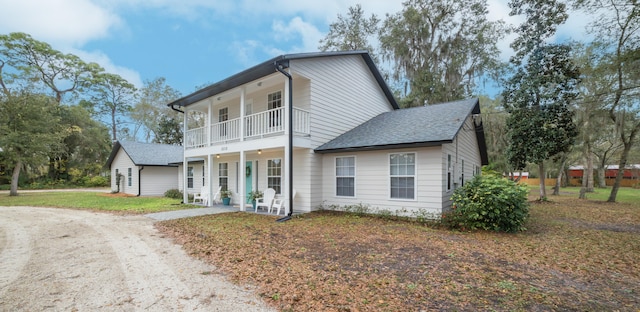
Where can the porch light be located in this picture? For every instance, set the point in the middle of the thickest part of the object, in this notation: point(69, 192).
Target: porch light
point(218, 156)
point(259, 151)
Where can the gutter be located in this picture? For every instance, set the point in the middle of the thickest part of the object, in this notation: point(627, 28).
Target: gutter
point(280, 67)
point(140, 181)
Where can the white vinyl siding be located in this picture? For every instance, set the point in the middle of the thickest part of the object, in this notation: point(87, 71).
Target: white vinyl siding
point(122, 162)
point(373, 185)
point(157, 180)
point(197, 169)
point(343, 95)
point(464, 146)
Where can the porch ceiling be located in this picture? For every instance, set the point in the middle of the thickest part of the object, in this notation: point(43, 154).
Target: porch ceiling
point(233, 95)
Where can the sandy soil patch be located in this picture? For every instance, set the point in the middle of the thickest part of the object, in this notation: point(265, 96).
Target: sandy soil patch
point(72, 260)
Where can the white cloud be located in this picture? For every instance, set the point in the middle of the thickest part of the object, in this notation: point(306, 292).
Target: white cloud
point(60, 22)
point(66, 25)
point(297, 29)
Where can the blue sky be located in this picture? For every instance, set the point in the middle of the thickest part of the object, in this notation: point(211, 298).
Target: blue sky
point(195, 42)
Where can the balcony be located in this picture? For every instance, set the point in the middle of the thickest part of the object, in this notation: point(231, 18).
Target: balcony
point(256, 126)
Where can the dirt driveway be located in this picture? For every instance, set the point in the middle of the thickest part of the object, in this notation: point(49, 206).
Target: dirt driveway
point(71, 260)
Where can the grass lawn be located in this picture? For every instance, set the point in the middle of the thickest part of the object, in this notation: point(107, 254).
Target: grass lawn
point(625, 194)
point(93, 201)
point(577, 255)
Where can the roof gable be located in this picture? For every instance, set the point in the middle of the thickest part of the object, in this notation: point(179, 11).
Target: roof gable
point(269, 67)
point(148, 154)
point(419, 126)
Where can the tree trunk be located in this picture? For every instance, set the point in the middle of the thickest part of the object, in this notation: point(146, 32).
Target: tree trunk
point(556, 188)
point(114, 136)
point(583, 189)
point(543, 191)
point(621, 165)
point(14, 179)
point(602, 183)
point(589, 172)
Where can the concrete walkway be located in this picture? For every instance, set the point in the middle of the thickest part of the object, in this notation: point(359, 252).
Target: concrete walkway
point(186, 213)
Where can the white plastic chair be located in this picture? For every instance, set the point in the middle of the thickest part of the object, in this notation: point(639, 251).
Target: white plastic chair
point(267, 199)
point(280, 203)
point(203, 196)
point(216, 196)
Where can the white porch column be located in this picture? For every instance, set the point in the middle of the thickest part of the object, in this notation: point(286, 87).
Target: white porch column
point(212, 189)
point(243, 183)
point(208, 122)
point(243, 93)
point(185, 194)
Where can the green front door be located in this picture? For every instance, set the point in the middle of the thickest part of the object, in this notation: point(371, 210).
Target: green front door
point(249, 180)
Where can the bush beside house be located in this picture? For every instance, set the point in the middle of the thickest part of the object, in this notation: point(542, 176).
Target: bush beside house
point(489, 202)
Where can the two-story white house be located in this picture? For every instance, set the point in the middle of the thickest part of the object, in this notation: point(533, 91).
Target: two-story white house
point(327, 126)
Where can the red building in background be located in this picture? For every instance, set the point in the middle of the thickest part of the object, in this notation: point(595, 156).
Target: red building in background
point(631, 172)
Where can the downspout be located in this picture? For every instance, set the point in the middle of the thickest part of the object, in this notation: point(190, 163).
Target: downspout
point(140, 181)
point(175, 109)
point(280, 68)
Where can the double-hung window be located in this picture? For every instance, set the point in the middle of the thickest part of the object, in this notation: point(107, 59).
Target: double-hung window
point(402, 168)
point(223, 175)
point(346, 176)
point(274, 102)
point(190, 177)
point(129, 176)
point(274, 174)
point(449, 172)
point(223, 116)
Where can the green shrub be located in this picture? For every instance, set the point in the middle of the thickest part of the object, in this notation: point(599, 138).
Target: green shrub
point(173, 193)
point(96, 181)
point(489, 203)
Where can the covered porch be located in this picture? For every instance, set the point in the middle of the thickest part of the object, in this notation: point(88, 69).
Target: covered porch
point(240, 172)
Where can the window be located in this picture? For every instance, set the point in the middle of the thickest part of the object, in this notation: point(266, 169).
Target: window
point(223, 115)
point(190, 177)
point(129, 176)
point(274, 101)
point(402, 169)
point(449, 172)
point(462, 172)
point(223, 175)
point(203, 184)
point(345, 176)
point(274, 172)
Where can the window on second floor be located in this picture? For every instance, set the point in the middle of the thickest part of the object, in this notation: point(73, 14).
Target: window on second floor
point(274, 101)
point(223, 115)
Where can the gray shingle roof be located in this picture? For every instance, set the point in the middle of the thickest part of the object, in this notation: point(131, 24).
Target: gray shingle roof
point(148, 154)
point(268, 67)
point(419, 126)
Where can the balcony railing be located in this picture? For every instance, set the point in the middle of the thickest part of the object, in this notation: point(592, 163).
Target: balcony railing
point(256, 126)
